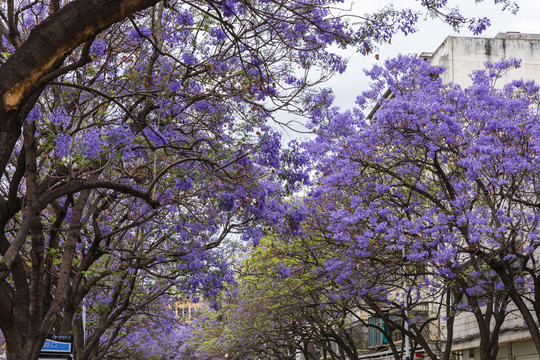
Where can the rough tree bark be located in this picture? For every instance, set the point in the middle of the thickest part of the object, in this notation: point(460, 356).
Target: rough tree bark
point(38, 58)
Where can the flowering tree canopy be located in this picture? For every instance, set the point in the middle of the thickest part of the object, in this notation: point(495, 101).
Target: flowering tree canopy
point(438, 177)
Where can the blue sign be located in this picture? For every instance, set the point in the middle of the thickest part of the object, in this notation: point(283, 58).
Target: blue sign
point(58, 344)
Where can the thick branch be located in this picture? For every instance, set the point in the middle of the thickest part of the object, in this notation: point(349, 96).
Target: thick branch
point(42, 202)
point(53, 39)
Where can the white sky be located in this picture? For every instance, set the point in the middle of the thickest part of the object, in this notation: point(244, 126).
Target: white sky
point(429, 36)
point(431, 33)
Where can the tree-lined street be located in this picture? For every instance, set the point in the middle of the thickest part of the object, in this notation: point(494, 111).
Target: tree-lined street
point(142, 161)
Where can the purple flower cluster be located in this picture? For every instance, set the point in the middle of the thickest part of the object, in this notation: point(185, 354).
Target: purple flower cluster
point(435, 173)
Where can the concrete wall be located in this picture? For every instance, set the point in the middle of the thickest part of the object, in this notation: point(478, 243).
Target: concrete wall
point(466, 334)
point(461, 55)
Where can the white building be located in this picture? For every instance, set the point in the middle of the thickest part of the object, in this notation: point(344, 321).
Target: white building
point(461, 55)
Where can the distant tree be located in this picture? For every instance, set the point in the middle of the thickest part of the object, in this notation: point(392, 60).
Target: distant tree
point(279, 308)
point(152, 332)
point(286, 304)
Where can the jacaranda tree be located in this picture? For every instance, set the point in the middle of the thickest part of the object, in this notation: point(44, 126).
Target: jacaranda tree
point(133, 140)
point(440, 179)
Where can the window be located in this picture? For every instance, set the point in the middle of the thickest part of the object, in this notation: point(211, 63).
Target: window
point(376, 336)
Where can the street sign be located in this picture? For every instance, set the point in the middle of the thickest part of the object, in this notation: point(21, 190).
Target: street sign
point(58, 344)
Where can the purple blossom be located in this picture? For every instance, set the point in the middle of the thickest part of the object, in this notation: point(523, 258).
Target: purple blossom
point(184, 184)
point(140, 34)
point(478, 25)
point(99, 47)
point(219, 34)
point(282, 270)
point(63, 145)
point(189, 59)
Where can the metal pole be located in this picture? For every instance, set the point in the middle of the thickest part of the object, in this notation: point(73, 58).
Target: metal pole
point(406, 337)
point(84, 324)
point(406, 313)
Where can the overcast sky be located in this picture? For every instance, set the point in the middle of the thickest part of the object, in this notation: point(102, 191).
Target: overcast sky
point(431, 33)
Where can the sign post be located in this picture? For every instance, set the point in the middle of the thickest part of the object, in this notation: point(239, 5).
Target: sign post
point(57, 347)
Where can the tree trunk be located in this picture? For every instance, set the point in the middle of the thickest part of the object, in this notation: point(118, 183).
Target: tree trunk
point(24, 75)
point(516, 297)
